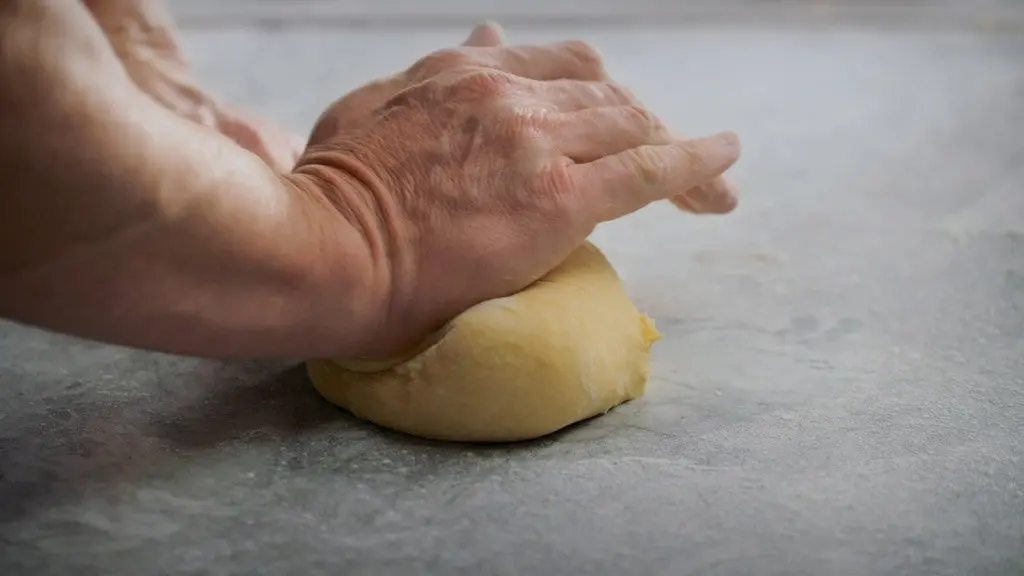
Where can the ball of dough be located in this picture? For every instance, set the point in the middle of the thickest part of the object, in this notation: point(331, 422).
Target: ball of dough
point(568, 347)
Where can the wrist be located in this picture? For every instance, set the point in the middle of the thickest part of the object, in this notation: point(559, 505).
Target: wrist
point(350, 280)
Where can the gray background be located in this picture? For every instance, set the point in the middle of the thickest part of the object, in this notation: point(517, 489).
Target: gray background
point(840, 390)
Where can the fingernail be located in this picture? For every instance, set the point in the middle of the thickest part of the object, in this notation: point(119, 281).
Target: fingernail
point(723, 147)
point(726, 205)
point(728, 139)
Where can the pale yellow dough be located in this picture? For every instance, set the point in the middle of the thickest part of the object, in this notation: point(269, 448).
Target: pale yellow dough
point(570, 346)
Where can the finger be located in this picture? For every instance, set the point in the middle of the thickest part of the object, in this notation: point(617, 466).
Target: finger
point(573, 60)
point(271, 144)
point(622, 183)
point(585, 137)
point(486, 35)
point(718, 196)
point(594, 133)
point(574, 95)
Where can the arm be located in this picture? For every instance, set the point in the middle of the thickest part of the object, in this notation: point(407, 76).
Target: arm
point(143, 35)
point(145, 39)
point(121, 222)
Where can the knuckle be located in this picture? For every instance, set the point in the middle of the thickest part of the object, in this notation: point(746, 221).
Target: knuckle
point(365, 97)
point(648, 167)
point(640, 116)
point(570, 203)
point(646, 121)
point(560, 180)
point(523, 145)
point(438, 62)
point(619, 94)
point(557, 193)
point(481, 84)
point(409, 96)
point(529, 117)
point(696, 158)
point(587, 56)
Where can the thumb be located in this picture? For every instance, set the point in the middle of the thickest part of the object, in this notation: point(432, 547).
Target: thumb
point(274, 146)
point(486, 35)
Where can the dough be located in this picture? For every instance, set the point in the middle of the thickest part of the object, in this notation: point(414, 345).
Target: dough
point(570, 346)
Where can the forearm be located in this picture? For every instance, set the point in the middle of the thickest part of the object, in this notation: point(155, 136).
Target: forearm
point(123, 223)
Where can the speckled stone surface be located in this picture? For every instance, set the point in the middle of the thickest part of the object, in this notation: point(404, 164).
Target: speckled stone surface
point(840, 390)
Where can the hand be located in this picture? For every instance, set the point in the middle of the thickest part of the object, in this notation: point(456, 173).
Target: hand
point(715, 197)
point(357, 108)
point(143, 36)
point(485, 172)
point(170, 84)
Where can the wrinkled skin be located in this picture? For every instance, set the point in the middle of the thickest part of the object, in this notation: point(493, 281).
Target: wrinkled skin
point(463, 178)
point(715, 197)
point(144, 37)
point(480, 168)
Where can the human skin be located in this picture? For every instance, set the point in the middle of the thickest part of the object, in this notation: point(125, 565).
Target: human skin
point(125, 222)
point(145, 39)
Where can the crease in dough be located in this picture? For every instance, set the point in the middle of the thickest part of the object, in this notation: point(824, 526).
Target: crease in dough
point(568, 347)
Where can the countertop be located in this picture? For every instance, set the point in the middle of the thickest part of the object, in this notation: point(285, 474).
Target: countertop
point(840, 390)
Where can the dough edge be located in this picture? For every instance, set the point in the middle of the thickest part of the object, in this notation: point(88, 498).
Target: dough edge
point(512, 385)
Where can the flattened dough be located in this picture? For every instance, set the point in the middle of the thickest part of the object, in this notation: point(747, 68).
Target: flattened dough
point(568, 347)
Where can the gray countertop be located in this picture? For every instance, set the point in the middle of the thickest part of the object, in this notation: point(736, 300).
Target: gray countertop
point(840, 390)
